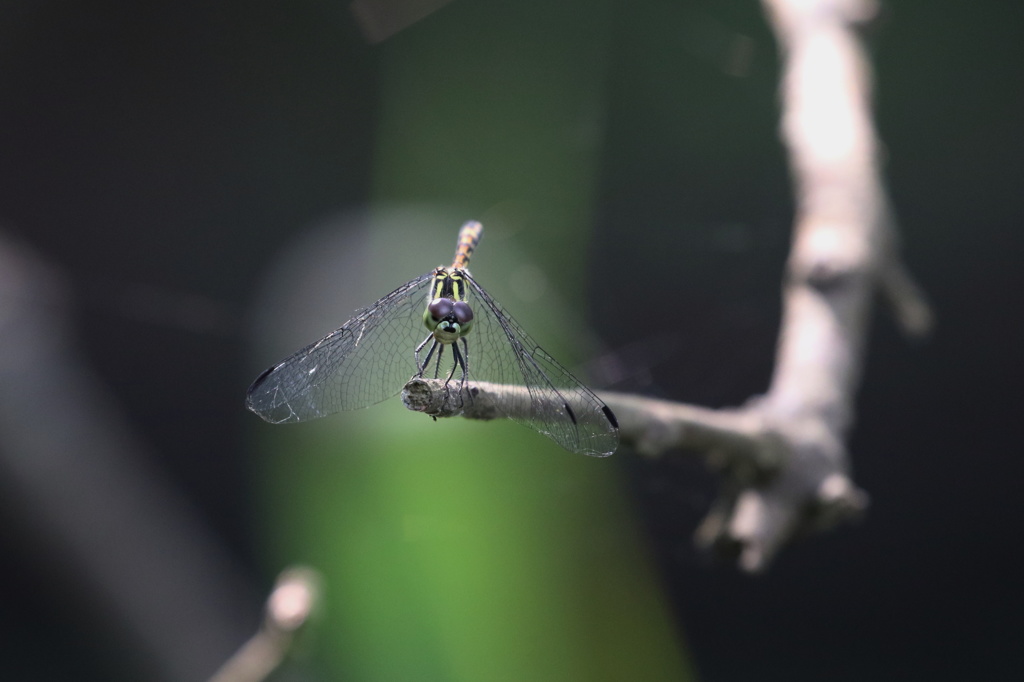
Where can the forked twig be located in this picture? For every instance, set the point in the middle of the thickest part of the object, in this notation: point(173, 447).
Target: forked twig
point(783, 456)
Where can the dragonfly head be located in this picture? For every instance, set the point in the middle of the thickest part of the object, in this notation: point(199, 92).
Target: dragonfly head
point(449, 320)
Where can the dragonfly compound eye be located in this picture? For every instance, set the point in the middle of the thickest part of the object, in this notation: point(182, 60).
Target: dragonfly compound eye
point(440, 308)
point(463, 313)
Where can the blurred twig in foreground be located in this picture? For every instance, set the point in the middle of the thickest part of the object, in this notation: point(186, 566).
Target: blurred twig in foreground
point(113, 537)
point(295, 597)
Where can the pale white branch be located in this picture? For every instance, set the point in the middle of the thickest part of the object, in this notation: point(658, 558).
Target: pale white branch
point(783, 456)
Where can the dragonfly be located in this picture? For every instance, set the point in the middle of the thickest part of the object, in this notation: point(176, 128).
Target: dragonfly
point(468, 338)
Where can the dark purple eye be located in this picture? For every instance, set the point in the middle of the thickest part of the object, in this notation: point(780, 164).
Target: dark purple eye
point(440, 308)
point(463, 313)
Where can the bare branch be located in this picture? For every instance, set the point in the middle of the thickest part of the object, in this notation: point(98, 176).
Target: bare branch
point(472, 400)
point(736, 437)
point(649, 426)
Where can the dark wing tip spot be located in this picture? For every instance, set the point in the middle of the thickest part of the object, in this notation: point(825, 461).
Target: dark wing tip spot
point(259, 381)
point(611, 415)
point(568, 410)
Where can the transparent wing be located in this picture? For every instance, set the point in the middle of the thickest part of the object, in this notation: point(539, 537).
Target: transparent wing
point(362, 363)
point(560, 407)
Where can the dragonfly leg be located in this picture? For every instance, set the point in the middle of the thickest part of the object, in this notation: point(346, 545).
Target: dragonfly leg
point(440, 352)
point(420, 368)
point(459, 362)
point(465, 365)
point(465, 359)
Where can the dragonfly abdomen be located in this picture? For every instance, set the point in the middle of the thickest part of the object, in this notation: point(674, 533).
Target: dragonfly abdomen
point(469, 237)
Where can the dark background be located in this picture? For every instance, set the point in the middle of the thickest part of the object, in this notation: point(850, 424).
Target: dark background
point(158, 156)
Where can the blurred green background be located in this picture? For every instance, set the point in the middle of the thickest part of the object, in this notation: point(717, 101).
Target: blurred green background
point(216, 184)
